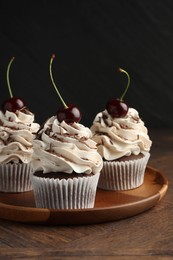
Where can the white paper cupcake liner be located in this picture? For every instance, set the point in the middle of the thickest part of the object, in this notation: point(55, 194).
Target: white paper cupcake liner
point(15, 177)
point(76, 193)
point(123, 175)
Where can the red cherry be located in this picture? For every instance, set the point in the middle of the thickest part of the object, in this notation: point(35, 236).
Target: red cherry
point(117, 108)
point(13, 104)
point(70, 114)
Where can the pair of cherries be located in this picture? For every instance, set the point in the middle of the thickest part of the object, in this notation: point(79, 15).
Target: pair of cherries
point(70, 113)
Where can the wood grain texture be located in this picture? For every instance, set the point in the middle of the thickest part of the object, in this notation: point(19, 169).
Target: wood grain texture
point(148, 235)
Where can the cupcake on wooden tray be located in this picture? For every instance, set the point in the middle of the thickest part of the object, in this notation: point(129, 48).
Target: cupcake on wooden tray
point(65, 161)
point(123, 142)
point(17, 130)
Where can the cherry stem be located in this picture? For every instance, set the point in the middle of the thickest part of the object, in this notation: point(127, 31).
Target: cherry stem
point(53, 82)
point(8, 81)
point(128, 83)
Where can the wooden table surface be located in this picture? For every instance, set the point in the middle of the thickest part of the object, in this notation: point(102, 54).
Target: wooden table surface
point(148, 235)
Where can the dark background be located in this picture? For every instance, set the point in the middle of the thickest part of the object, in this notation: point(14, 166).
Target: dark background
point(90, 38)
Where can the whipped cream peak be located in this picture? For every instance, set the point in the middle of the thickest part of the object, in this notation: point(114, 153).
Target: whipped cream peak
point(117, 137)
point(63, 147)
point(19, 120)
point(17, 130)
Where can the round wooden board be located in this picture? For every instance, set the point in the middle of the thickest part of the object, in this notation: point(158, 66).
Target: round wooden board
point(109, 205)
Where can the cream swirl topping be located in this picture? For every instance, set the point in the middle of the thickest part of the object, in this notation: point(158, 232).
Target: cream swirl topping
point(62, 147)
point(17, 131)
point(117, 137)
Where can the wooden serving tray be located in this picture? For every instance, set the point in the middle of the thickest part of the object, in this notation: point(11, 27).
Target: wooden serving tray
point(109, 205)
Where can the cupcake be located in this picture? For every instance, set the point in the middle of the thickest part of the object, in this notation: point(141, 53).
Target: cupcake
point(65, 161)
point(66, 166)
point(123, 142)
point(17, 130)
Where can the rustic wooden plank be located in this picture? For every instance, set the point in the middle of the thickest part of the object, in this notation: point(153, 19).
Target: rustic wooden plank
point(49, 254)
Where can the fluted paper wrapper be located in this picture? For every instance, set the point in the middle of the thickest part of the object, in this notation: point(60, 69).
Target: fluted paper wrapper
point(15, 177)
point(71, 193)
point(124, 175)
